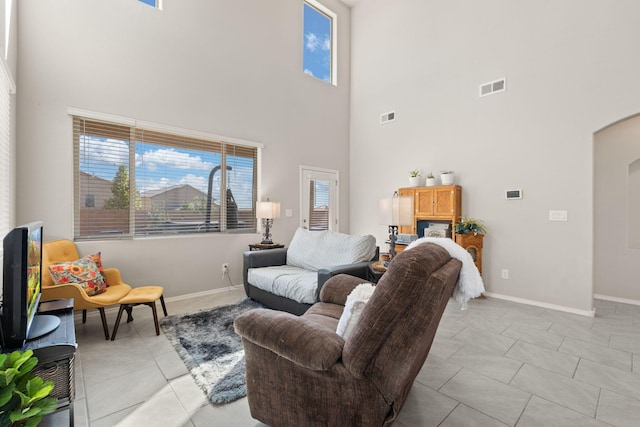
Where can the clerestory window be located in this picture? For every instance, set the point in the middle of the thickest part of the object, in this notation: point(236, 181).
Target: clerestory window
point(319, 42)
point(153, 3)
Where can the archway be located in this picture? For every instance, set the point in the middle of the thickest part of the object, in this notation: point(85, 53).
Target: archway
point(617, 211)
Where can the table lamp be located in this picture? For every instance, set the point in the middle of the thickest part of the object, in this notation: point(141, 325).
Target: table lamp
point(267, 211)
point(394, 212)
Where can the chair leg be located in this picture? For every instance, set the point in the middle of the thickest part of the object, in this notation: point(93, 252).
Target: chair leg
point(115, 327)
point(129, 313)
point(164, 307)
point(155, 317)
point(104, 323)
point(84, 316)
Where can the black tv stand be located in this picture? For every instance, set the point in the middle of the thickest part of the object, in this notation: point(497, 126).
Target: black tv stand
point(55, 351)
point(42, 324)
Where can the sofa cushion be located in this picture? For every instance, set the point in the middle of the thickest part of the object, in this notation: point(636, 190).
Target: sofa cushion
point(314, 250)
point(287, 281)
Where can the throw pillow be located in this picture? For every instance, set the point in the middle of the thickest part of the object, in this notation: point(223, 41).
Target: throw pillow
point(83, 272)
point(353, 307)
point(96, 258)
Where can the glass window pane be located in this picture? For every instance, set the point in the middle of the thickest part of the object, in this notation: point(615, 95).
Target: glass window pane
point(317, 43)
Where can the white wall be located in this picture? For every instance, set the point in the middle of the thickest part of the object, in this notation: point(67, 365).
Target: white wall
point(616, 195)
point(571, 69)
point(223, 67)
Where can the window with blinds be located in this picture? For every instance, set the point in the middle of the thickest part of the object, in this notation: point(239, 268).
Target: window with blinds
point(318, 205)
point(131, 181)
point(7, 159)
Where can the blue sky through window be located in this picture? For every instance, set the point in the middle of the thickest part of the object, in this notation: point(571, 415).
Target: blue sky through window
point(159, 167)
point(317, 44)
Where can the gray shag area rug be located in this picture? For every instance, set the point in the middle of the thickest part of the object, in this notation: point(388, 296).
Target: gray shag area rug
point(211, 349)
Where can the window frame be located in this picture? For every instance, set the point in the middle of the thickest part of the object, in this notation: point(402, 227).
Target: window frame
point(333, 34)
point(157, 4)
point(227, 148)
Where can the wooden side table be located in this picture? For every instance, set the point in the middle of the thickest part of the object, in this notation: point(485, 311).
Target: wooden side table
point(376, 271)
point(262, 247)
point(473, 244)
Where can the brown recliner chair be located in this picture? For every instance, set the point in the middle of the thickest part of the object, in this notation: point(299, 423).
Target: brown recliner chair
point(64, 251)
point(301, 373)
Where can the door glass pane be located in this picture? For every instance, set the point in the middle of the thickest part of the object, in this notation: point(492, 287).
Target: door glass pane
point(319, 205)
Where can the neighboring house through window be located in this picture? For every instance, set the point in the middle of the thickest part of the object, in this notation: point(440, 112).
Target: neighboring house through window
point(319, 41)
point(133, 180)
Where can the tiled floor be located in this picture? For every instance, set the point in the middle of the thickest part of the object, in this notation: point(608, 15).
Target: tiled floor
point(496, 364)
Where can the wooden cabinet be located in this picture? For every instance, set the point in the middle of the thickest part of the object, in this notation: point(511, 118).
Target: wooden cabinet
point(441, 203)
point(473, 244)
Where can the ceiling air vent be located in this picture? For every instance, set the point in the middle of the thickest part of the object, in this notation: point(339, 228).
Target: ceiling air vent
point(495, 86)
point(387, 117)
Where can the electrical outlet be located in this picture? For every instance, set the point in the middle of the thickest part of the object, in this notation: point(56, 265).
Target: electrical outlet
point(225, 268)
point(505, 274)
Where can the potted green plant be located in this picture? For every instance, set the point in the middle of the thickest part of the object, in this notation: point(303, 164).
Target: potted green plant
point(431, 180)
point(471, 225)
point(446, 177)
point(23, 395)
point(415, 178)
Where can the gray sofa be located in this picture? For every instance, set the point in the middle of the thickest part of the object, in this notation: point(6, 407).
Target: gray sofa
point(290, 279)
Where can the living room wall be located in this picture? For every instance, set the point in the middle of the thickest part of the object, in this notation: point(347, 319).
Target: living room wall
point(570, 70)
point(230, 68)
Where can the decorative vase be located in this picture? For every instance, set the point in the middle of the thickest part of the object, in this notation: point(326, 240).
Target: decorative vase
point(431, 182)
point(415, 181)
point(447, 178)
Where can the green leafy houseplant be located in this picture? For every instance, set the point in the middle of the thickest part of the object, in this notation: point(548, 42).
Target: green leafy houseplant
point(414, 173)
point(470, 225)
point(23, 396)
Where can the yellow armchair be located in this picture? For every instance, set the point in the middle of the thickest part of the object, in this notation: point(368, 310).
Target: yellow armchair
point(64, 251)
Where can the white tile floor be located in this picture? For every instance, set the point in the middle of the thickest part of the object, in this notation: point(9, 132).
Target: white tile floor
point(496, 364)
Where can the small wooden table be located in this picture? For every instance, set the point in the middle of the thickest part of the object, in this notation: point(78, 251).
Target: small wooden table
point(265, 246)
point(376, 271)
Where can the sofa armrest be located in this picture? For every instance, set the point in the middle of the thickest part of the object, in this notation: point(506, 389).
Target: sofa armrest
point(297, 339)
point(337, 288)
point(359, 269)
point(257, 259)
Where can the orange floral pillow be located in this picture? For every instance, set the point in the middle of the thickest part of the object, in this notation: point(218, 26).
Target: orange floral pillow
point(84, 272)
point(96, 258)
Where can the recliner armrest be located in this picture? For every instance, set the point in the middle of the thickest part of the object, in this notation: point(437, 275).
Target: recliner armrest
point(337, 288)
point(295, 338)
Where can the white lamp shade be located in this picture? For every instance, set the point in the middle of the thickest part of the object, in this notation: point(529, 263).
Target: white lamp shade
point(396, 211)
point(268, 210)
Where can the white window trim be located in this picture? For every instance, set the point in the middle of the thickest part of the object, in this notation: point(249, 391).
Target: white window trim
point(334, 37)
point(127, 121)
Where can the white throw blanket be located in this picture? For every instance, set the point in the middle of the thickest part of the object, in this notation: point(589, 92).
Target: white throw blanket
point(470, 284)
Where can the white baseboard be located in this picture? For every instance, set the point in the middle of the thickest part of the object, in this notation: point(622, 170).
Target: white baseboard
point(616, 299)
point(586, 313)
point(115, 307)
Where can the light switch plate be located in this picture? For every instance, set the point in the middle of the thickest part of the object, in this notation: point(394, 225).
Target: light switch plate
point(558, 216)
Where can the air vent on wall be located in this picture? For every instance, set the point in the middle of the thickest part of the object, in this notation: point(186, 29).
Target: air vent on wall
point(387, 117)
point(495, 86)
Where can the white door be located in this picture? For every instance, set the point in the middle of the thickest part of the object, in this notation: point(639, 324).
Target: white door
point(319, 198)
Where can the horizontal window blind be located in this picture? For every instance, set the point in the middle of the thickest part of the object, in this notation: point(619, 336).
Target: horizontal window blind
point(7, 159)
point(319, 205)
point(132, 181)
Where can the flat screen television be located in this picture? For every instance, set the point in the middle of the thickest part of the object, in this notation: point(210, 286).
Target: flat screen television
point(21, 287)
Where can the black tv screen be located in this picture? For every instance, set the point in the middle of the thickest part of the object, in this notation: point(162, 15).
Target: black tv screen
point(21, 282)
